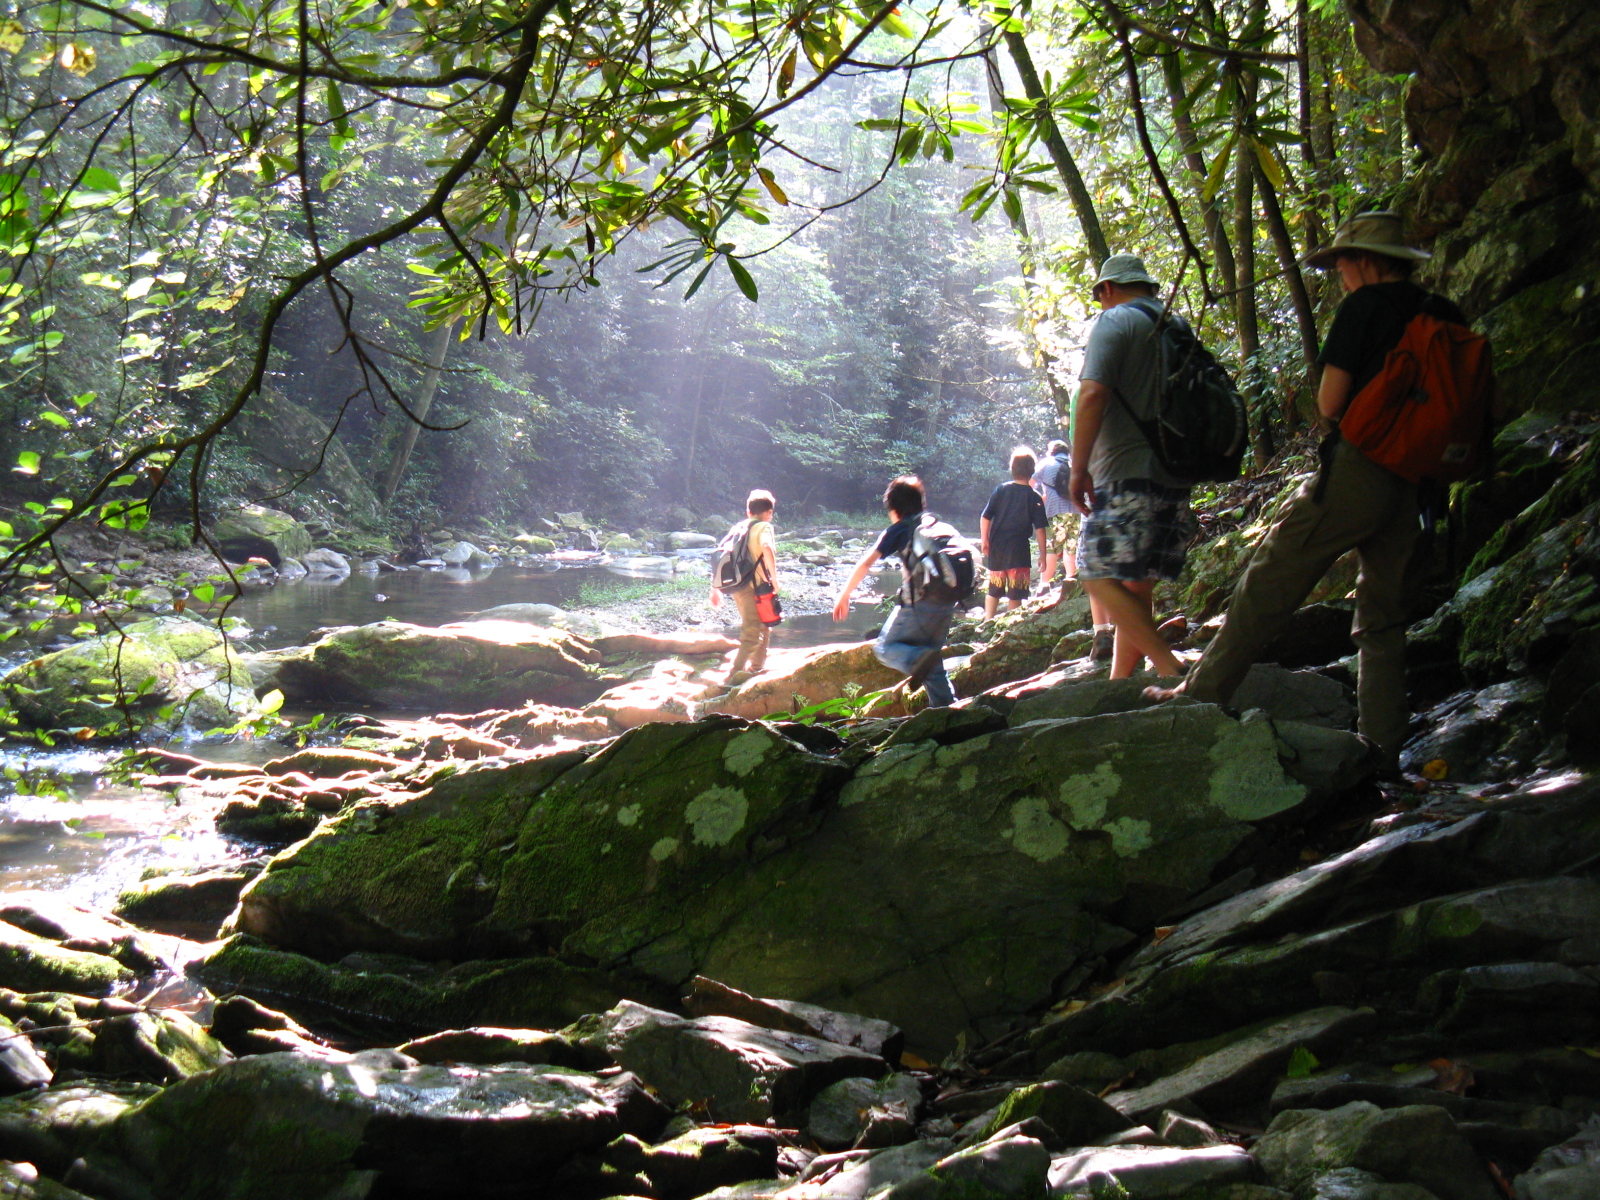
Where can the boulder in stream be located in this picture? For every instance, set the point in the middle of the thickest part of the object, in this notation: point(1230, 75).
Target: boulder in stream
point(394, 664)
point(257, 532)
point(794, 678)
point(156, 675)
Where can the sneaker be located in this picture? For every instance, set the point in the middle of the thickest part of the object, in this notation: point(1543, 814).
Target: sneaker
point(1105, 641)
point(922, 668)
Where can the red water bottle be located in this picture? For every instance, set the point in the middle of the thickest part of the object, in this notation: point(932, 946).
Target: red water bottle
point(767, 606)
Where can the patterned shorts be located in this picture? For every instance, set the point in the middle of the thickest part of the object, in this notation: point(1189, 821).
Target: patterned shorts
point(1061, 536)
point(1138, 530)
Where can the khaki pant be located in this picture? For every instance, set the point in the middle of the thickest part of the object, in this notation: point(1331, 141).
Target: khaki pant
point(753, 635)
point(1365, 508)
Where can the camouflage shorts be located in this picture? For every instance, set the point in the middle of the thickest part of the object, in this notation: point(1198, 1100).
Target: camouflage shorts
point(1061, 535)
point(1137, 531)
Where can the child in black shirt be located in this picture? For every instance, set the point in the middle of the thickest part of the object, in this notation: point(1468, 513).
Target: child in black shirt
point(1014, 516)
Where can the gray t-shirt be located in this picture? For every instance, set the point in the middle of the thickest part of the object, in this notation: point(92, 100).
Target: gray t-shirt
point(1055, 504)
point(1124, 353)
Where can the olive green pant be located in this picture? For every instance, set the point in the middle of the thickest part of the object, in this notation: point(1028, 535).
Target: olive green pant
point(1365, 508)
point(753, 635)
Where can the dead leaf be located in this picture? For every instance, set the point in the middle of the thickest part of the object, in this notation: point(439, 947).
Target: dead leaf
point(914, 1062)
point(1435, 770)
point(1163, 932)
point(1454, 1078)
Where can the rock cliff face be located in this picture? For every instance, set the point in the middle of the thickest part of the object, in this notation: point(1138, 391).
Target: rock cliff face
point(1504, 105)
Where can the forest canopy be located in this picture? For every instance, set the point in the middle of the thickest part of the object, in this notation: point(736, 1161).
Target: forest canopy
point(635, 255)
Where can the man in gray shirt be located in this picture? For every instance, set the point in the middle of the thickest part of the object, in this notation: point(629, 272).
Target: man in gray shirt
point(1138, 525)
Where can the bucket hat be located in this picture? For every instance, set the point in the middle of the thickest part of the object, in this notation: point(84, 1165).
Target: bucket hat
point(1124, 268)
point(1377, 232)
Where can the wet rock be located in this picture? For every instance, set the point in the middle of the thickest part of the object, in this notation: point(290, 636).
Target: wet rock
point(1088, 1069)
point(541, 724)
point(1177, 1129)
point(821, 673)
point(735, 1070)
point(1014, 1166)
point(1296, 696)
point(1505, 1001)
point(291, 568)
point(840, 1113)
point(1480, 736)
point(708, 998)
point(382, 994)
point(873, 1174)
point(52, 1127)
point(29, 963)
point(465, 554)
point(721, 848)
point(491, 1045)
point(22, 1068)
point(157, 663)
point(1328, 761)
point(1569, 1171)
point(1078, 1117)
point(257, 532)
point(947, 726)
point(324, 561)
point(245, 1027)
point(1238, 1079)
point(686, 539)
point(1022, 643)
point(540, 614)
point(374, 1122)
point(23, 1181)
point(662, 645)
point(683, 1167)
point(1317, 634)
point(1418, 1144)
point(394, 664)
point(1351, 1183)
point(193, 906)
point(161, 1047)
point(53, 916)
point(534, 543)
point(1150, 1172)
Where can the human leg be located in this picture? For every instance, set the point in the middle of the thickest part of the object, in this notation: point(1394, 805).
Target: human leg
point(912, 633)
point(1379, 631)
point(753, 635)
point(1128, 606)
point(1358, 499)
point(1016, 587)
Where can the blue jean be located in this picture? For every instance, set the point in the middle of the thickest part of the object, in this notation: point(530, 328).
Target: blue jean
point(908, 633)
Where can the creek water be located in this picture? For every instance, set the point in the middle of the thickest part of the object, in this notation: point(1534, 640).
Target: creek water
point(104, 835)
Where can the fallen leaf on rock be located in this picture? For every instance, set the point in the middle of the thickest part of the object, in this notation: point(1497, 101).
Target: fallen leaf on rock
point(914, 1062)
point(1163, 932)
point(1435, 769)
point(1302, 1062)
point(1454, 1078)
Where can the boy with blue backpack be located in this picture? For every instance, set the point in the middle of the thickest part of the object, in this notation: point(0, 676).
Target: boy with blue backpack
point(938, 567)
point(745, 568)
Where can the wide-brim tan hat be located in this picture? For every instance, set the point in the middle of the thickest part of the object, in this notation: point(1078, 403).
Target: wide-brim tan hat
point(1124, 268)
point(1377, 232)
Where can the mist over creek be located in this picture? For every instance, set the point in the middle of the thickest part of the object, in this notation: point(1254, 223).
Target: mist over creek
point(100, 839)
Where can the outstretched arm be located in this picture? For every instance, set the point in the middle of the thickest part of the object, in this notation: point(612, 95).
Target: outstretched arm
point(841, 606)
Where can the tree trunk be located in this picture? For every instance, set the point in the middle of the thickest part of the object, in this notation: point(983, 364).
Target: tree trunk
point(1082, 202)
point(437, 349)
point(1289, 261)
point(1244, 240)
point(1221, 248)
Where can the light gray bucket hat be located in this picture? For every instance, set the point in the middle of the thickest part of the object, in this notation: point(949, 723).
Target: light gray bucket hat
point(1377, 232)
point(1124, 268)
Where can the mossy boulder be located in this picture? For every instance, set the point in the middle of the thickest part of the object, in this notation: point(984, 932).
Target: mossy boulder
point(1023, 643)
point(155, 675)
point(533, 543)
point(51, 1128)
point(257, 532)
point(795, 678)
point(292, 1127)
point(396, 665)
point(29, 963)
point(943, 887)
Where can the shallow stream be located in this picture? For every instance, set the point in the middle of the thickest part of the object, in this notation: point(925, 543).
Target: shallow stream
point(100, 839)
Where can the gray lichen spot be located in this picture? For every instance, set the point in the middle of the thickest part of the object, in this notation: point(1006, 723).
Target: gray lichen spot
point(1129, 835)
point(968, 778)
point(896, 764)
point(1247, 781)
point(1085, 796)
point(744, 753)
point(717, 814)
point(628, 814)
point(1035, 832)
point(663, 849)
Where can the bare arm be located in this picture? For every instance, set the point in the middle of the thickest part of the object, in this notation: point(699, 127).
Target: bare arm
point(1334, 394)
point(983, 535)
point(1087, 418)
point(841, 606)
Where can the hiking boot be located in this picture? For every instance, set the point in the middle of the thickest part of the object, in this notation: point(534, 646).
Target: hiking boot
point(1105, 641)
point(923, 667)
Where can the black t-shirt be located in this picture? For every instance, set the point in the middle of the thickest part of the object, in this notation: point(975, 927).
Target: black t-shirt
point(1370, 323)
point(1014, 511)
point(897, 537)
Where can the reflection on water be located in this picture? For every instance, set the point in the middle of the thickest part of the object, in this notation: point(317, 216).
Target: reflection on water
point(97, 842)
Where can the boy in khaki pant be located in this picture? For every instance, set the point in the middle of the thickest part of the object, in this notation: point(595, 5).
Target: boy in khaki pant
point(753, 635)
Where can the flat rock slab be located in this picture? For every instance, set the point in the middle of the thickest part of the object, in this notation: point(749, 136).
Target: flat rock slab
point(1149, 1172)
point(52, 1127)
point(737, 1071)
point(1296, 696)
point(708, 998)
point(288, 1125)
point(1238, 1079)
point(1075, 1115)
point(663, 645)
point(819, 673)
point(488, 1045)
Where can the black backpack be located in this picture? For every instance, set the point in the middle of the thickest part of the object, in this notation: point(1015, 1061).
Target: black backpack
point(1062, 482)
point(940, 563)
point(731, 565)
point(1200, 428)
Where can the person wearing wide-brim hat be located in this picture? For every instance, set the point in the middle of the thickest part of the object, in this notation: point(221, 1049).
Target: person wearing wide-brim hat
point(1352, 504)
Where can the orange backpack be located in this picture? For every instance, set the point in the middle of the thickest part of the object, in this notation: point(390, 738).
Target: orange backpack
point(1425, 415)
